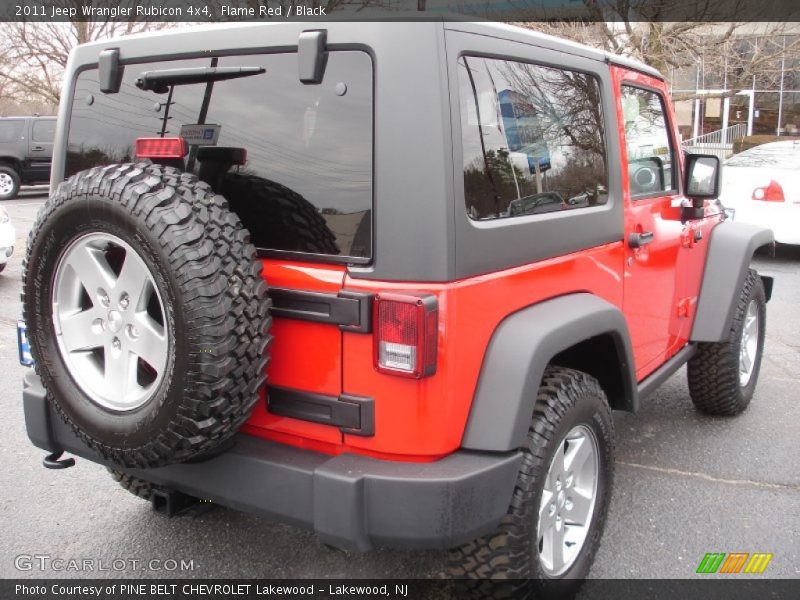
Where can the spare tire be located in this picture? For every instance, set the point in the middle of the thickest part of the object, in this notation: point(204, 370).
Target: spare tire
point(277, 216)
point(147, 314)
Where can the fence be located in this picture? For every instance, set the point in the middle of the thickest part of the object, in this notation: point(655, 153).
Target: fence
point(718, 143)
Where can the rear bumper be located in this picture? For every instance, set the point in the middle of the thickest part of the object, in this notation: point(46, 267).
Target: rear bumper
point(352, 502)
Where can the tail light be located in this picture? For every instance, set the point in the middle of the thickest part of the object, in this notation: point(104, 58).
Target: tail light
point(166, 147)
point(406, 334)
point(772, 193)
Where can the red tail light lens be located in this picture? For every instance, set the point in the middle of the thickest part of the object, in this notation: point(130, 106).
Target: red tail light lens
point(406, 334)
point(772, 193)
point(167, 147)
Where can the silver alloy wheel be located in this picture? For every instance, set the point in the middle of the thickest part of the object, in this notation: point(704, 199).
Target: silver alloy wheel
point(6, 184)
point(748, 347)
point(568, 500)
point(110, 322)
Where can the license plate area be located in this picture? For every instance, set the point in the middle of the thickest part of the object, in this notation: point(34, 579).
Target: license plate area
point(24, 347)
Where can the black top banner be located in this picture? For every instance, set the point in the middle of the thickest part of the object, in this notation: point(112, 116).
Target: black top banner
point(212, 11)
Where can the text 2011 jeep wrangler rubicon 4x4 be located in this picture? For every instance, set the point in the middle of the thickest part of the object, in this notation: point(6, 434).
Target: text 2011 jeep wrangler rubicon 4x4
point(388, 291)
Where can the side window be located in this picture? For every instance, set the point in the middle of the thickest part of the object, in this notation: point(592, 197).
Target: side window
point(11, 130)
point(44, 131)
point(650, 152)
point(533, 139)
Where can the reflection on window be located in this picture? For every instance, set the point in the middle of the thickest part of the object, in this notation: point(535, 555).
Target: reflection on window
point(648, 142)
point(533, 139)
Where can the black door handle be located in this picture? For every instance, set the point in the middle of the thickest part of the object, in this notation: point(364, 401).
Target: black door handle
point(37, 149)
point(637, 240)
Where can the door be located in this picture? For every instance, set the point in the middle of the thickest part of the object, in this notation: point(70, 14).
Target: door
point(40, 150)
point(653, 229)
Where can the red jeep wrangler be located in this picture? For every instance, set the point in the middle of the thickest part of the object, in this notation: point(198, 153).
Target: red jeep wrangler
point(388, 291)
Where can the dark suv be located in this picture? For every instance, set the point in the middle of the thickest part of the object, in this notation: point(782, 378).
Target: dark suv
point(296, 271)
point(26, 151)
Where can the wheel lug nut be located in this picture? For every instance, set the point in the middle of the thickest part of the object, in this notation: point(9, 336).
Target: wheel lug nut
point(133, 333)
point(116, 343)
point(568, 504)
point(124, 301)
point(104, 299)
point(552, 508)
point(558, 484)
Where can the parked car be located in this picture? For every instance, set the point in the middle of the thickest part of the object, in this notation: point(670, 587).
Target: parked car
point(7, 238)
point(762, 186)
point(536, 204)
point(26, 150)
point(288, 304)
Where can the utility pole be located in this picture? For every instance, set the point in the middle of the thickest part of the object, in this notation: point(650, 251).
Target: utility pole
point(166, 118)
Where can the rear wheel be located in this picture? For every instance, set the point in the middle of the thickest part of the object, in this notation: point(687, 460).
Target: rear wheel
point(9, 183)
point(723, 375)
point(557, 513)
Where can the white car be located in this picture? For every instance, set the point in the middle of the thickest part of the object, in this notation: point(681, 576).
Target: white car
point(762, 186)
point(7, 238)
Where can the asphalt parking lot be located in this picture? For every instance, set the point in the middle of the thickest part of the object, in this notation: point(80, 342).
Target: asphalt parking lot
point(685, 484)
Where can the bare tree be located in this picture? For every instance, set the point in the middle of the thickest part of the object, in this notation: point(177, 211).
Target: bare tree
point(639, 29)
point(33, 55)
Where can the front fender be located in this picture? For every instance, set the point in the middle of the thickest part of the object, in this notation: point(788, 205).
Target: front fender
point(520, 349)
point(731, 247)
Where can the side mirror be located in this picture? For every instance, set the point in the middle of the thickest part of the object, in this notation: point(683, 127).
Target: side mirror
point(702, 176)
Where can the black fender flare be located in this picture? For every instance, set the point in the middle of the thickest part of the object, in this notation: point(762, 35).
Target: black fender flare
point(14, 161)
point(523, 344)
point(730, 249)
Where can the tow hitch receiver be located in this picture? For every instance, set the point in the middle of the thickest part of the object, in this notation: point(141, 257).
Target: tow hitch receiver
point(172, 503)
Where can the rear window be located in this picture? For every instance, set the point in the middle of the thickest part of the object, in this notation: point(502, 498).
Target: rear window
point(311, 144)
point(11, 131)
point(783, 155)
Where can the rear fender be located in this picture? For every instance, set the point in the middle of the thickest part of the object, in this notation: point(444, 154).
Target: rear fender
point(520, 349)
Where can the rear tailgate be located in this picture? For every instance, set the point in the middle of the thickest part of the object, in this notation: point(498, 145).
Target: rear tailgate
point(306, 356)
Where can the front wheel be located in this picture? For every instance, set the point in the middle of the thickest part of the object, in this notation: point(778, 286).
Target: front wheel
point(723, 375)
point(554, 523)
point(9, 183)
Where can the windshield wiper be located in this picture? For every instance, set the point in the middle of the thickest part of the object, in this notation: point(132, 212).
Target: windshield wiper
point(160, 81)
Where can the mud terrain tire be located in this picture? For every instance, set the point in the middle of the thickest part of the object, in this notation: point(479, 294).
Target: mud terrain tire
point(714, 372)
point(212, 305)
point(508, 563)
